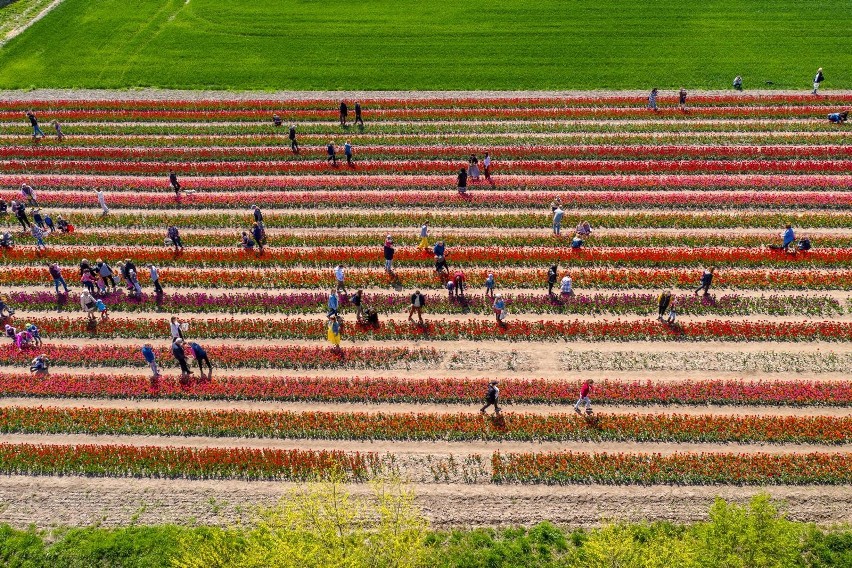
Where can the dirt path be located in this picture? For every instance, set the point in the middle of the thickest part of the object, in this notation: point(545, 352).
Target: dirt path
point(418, 408)
point(50, 501)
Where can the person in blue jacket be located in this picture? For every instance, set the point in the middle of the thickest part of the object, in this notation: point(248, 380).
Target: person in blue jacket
point(151, 359)
point(201, 357)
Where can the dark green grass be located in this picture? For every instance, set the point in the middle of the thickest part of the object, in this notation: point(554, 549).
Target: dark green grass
point(433, 44)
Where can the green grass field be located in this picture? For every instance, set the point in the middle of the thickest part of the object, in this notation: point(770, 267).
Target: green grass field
point(432, 44)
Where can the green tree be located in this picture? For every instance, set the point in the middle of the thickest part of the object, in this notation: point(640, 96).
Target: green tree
point(756, 536)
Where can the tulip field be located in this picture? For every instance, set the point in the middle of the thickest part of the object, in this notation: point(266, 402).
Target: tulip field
point(747, 390)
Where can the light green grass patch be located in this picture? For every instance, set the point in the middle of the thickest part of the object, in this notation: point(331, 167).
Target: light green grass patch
point(432, 44)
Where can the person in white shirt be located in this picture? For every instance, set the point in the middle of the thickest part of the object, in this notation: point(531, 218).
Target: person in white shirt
point(486, 168)
point(175, 329)
point(155, 279)
point(565, 286)
point(102, 202)
point(338, 275)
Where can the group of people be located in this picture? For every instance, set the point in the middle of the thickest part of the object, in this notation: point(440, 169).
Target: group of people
point(256, 236)
point(178, 351)
point(473, 173)
point(492, 396)
point(29, 335)
point(331, 153)
point(581, 233)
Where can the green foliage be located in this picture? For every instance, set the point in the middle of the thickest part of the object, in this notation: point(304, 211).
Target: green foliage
point(324, 525)
point(318, 525)
point(756, 536)
point(432, 44)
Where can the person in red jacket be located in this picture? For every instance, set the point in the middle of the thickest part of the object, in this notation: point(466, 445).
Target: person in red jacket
point(584, 399)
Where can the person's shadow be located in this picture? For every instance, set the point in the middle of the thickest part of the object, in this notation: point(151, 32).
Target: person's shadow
point(498, 422)
point(395, 282)
point(61, 302)
point(158, 300)
point(92, 326)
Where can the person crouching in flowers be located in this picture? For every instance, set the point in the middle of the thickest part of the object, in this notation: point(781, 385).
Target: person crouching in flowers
point(334, 324)
point(35, 333)
point(40, 364)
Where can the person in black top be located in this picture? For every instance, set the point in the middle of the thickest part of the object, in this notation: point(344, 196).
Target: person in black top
point(552, 274)
point(819, 78)
point(344, 110)
point(357, 301)
point(358, 119)
point(293, 144)
point(418, 301)
point(258, 215)
point(276, 120)
point(462, 181)
point(180, 357)
point(682, 98)
point(332, 157)
point(491, 398)
point(174, 182)
point(34, 122)
point(21, 214)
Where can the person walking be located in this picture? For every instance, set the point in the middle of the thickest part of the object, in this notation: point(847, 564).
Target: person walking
point(173, 235)
point(201, 357)
point(585, 400)
point(486, 168)
point(105, 271)
point(491, 397)
point(557, 220)
point(339, 276)
point(461, 181)
point(58, 127)
point(102, 202)
point(663, 301)
point(347, 151)
point(151, 359)
point(294, 144)
point(333, 302)
point(155, 279)
point(441, 258)
point(257, 233)
point(175, 329)
point(424, 236)
point(389, 252)
point(180, 356)
point(499, 307)
point(358, 301)
point(38, 220)
point(38, 235)
point(332, 157)
point(173, 181)
point(48, 222)
point(21, 214)
point(682, 99)
point(56, 274)
point(552, 275)
point(358, 118)
point(257, 213)
point(818, 79)
point(344, 112)
point(28, 193)
point(489, 285)
point(418, 302)
point(706, 281)
point(652, 100)
point(37, 133)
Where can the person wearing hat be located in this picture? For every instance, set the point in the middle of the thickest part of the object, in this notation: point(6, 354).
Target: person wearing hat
point(499, 308)
point(180, 357)
point(491, 398)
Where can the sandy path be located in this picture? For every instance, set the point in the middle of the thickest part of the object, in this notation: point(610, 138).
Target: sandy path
point(48, 501)
point(425, 408)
